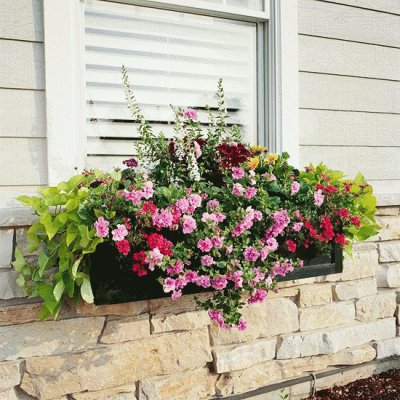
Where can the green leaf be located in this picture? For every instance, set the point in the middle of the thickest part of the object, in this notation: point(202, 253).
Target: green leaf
point(74, 269)
point(47, 222)
point(25, 200)
point(19, 262)
point(84, 232)
point(43, 262)
point(72, 233)
point(72, 204)
point(20, 280)
point(46, 293)
point(59, 290)
point(86, 291)
point(44, 312)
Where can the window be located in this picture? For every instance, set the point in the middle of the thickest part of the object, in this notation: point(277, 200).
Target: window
point(175, 51)
point(172, 58)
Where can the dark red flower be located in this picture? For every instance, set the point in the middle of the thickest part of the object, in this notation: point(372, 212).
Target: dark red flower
point(154, 240)
point(233, 154)
point(130, 163)
point(343, 212)
point(340, 239)
point(355, 221)
point(149, 207)
point(327, 228)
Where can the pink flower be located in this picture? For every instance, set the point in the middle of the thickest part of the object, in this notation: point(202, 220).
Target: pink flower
point(251, 254)
point(259, 296)
point(134, 196)
point(119, 233)
point(175, 269)
point(148, 190)
point(250, 192)
point(203, 281)
point(189, 224)
point(219, 282)
point(237, 173)
point(206, 261)
point(169, 285)
point(194, 200)
point(264, 253)
point(182, 205)
point(217, 242)
point(272, 244)
point(297, 226)
point(101, 226)
point(216, 315)
point(238, 189)
point(205, 245)
point(242, 325)
point(229, 249)
point(318, 197)
point(295, 188)
point(176, 294)
point(155, 258)
point(269, 177)
point(236, 278)
point(189, 113)
point(258, 215)
point(191, 276)
point(163, 219)
point(212, 204)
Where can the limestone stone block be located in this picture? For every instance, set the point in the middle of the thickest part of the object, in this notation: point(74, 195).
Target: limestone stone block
point(123, 330)
point(315, 295)
point(122, 364)
point(354, 289)
point(6, 247)
point(233, 358)
point(388, 275)
point(390, 228)
point(10, 374)
point(187, 385)
point(185, 303)
point(389, 251)
point(397, 314)
point(122, 309)
point(361, 264)
point(20, 313)
point(116, 393)
point(354, 356)
point(8, 286)
point(388, 348)
point(49, 337)
point(332, 340)
point(325, 316)
point(248, 379)
point(387, 211)
point(381, 305)
point(271, 318)
point(179, 322)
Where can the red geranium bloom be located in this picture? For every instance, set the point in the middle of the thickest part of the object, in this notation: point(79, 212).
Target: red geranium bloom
point(343, 212)
point(291, 246)
point(154, 240)
point(149, 207)
point(340, 239)
point(355, 221)
point(327, 228)
point(123, 247)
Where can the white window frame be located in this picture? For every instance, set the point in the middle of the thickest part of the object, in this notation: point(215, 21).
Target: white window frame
point(277, 76)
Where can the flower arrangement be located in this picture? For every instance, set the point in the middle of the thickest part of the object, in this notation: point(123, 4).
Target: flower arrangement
point(202, 208)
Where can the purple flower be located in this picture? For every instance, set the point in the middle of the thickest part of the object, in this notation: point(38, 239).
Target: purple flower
point(189, 224)
point(189, 113)
point(130, 163)
point(217, 242)
point(259, 296)
point(101, 226)
point(294, 188)
point(242, 325)
point(119, 233)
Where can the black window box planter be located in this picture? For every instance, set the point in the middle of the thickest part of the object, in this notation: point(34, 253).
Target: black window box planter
point(111, 284)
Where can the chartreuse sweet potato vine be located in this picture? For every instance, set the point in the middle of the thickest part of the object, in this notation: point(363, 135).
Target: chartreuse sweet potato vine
point(203, 209)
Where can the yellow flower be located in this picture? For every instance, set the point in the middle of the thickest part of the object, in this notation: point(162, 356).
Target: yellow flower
point(253, 162)
point(258, 149)
point(271, 158)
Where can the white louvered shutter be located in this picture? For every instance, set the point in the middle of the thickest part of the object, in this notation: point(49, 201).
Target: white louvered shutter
point(172, 58)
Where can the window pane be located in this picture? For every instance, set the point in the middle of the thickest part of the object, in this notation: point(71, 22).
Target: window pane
point(247, 4)
point(172, 58)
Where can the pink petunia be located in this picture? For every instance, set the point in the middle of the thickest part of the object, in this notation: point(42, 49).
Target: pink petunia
point(294, 188)
point(195, 200)
point(237, 189)
point(148, 190)
point(163, 219)
point(237, 173)
point(119, 233)
point(212, 204)
point(189, 224)
point(189, 113)
point(250, 192)
point(219, 282)
point(205, 245)
point(251, 254)
point(101, 226)
point(182, 205)
point(318, 197)
point(207, 261)
point(217, 242)
point(297, 226)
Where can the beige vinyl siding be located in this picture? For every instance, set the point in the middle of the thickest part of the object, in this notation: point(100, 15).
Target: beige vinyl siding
point(23, 161)
point(349, 79)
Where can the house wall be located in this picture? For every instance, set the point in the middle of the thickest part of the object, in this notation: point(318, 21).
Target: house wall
point(160, 349)
point(349, 79)
point(23, 160)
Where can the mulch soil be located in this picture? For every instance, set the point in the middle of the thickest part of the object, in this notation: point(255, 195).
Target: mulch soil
point(385, 386)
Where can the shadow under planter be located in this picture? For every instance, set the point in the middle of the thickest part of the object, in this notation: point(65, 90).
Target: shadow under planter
point(112, 284)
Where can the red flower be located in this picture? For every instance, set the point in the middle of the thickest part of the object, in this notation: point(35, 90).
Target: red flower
point(343, 212)
point(154, 240)
point(138, 268)
point(340, 239)
point(140, 256)
point(233, 154)
point(313, 233)
point(291, 246)
point(327, 228)
point(123, 247)
point(347, 186)
point(355, 221)
point(149, 208)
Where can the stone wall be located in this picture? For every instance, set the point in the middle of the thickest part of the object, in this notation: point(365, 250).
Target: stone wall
point(160, 349)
